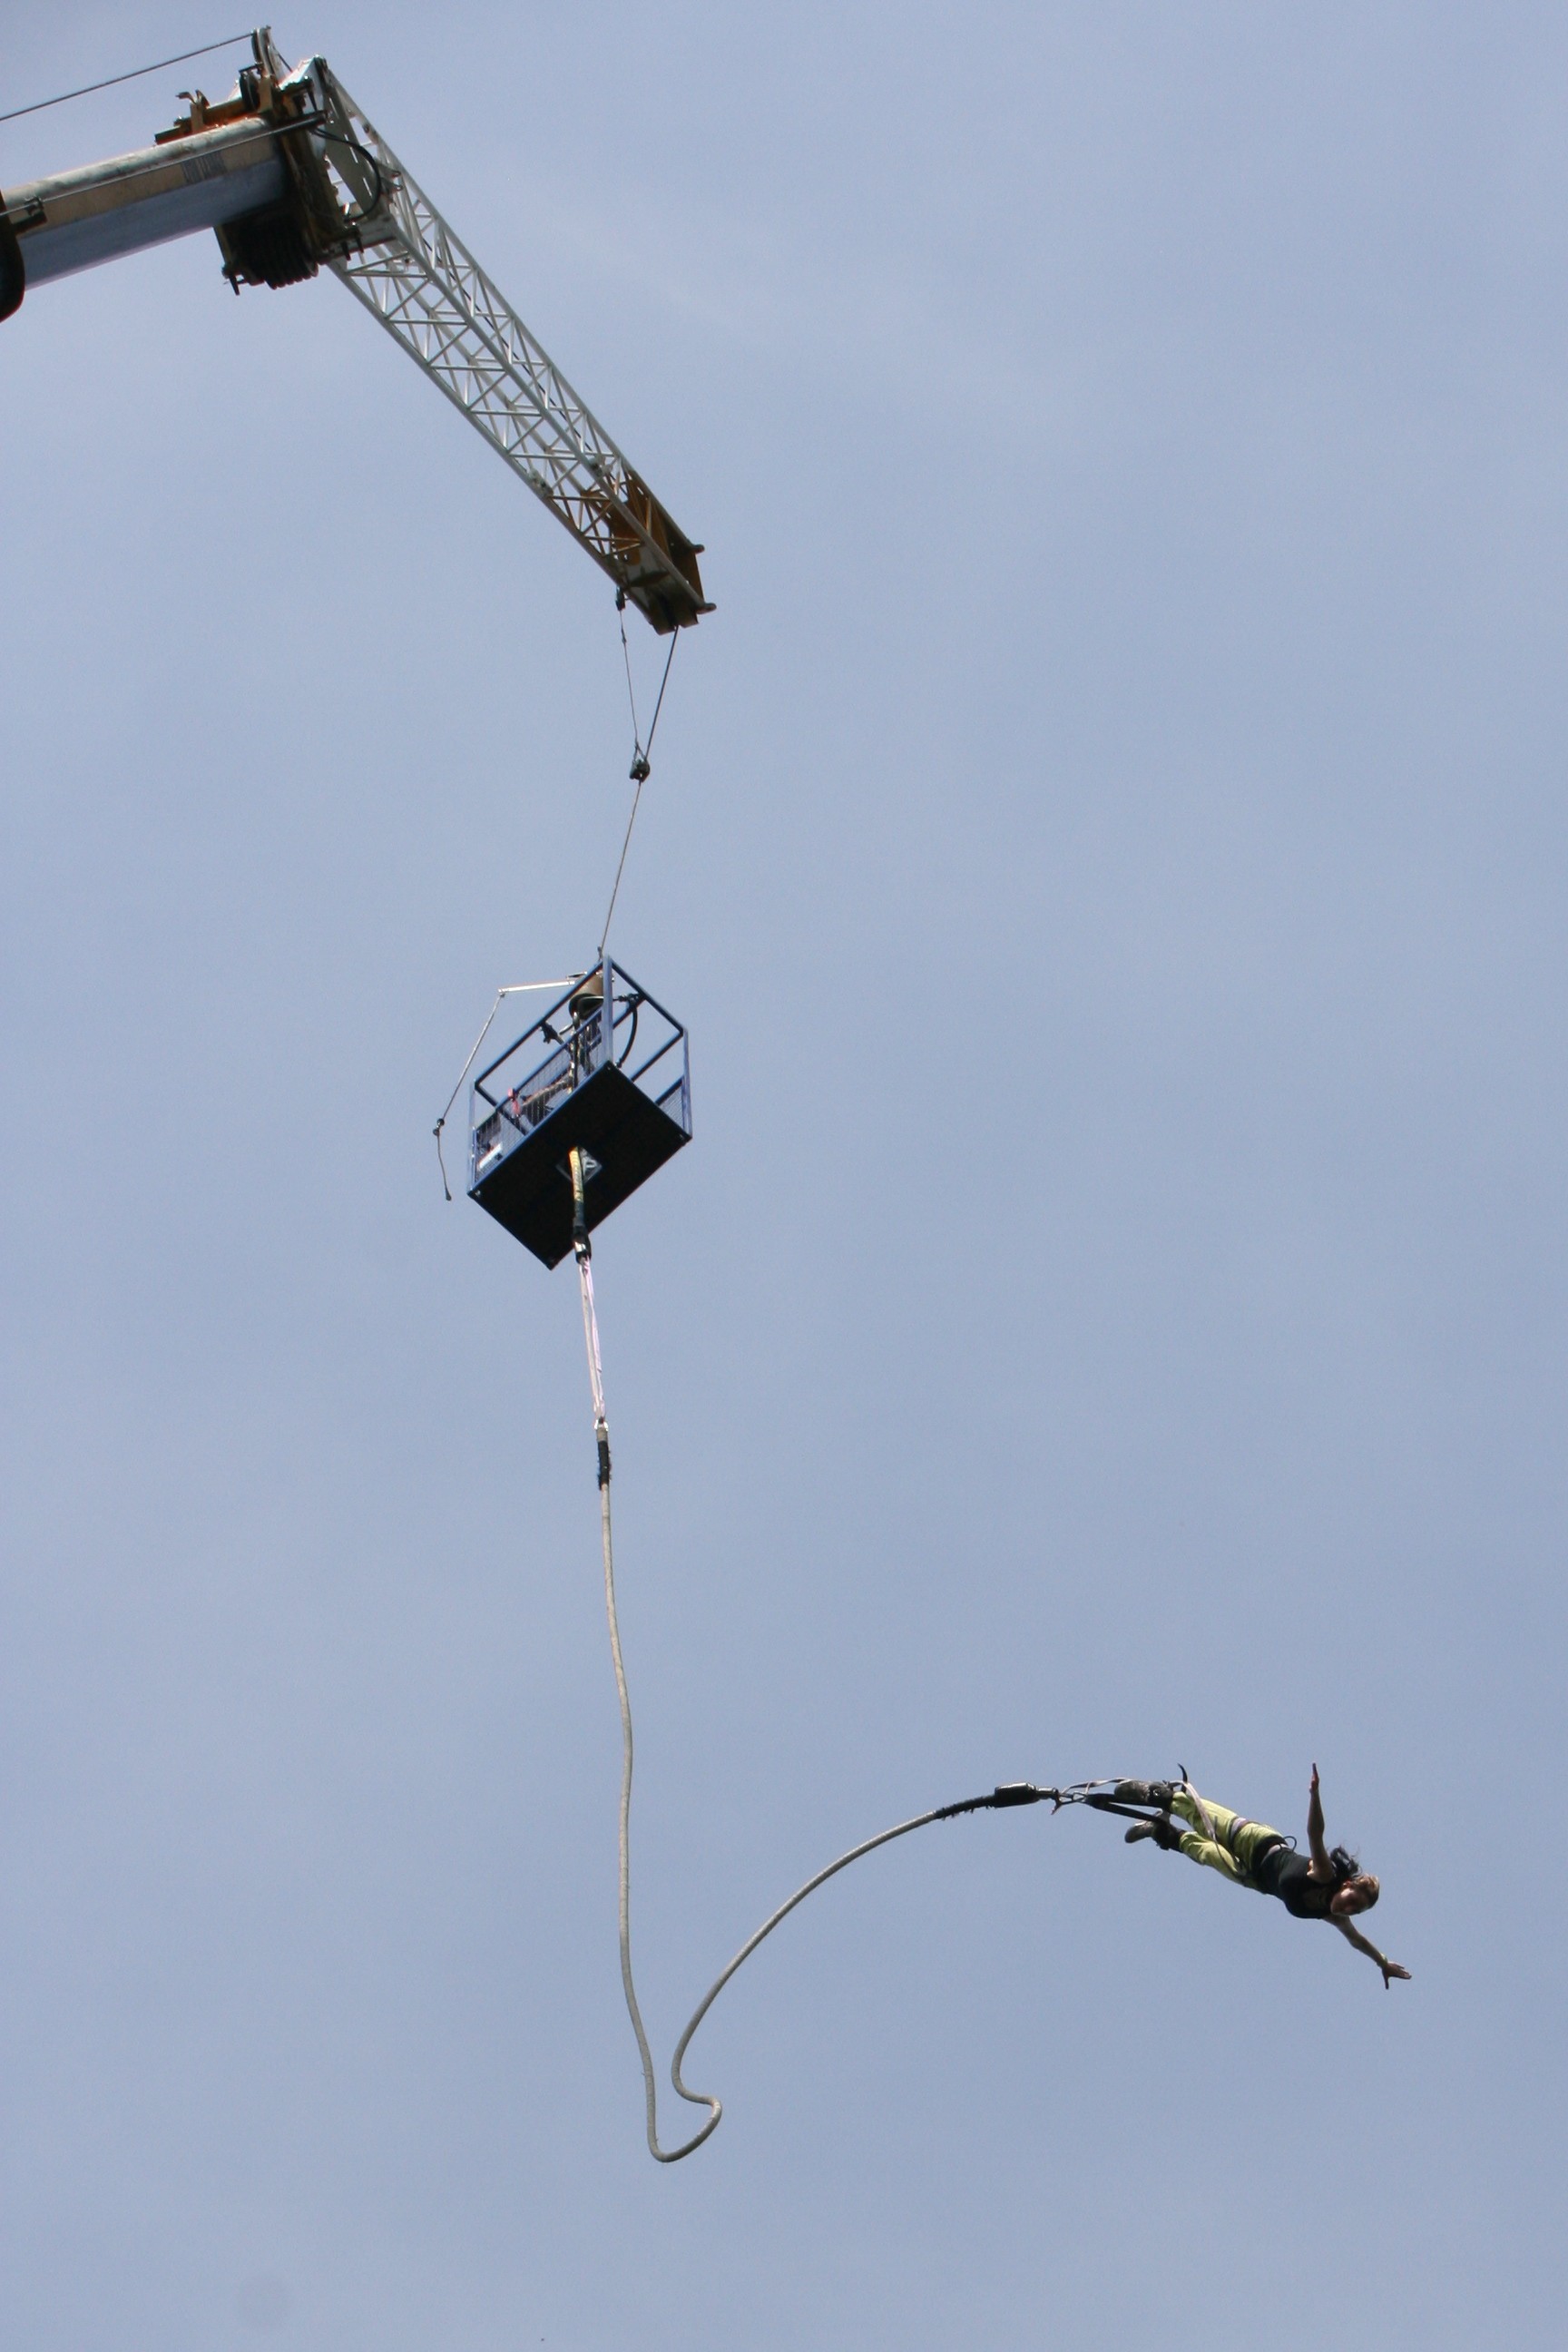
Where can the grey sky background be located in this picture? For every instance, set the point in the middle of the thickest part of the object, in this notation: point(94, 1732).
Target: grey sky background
point(1110, 847)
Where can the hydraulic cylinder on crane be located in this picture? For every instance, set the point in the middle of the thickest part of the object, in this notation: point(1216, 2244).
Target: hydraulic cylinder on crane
point(291, 174)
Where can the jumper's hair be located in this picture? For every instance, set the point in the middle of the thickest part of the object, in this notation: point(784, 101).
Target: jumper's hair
point(1348, 1871)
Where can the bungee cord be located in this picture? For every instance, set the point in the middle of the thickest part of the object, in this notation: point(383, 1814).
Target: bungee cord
point(1009, 1794)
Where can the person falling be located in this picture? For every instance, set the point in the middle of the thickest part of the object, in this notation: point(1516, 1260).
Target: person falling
point(1332, 1885)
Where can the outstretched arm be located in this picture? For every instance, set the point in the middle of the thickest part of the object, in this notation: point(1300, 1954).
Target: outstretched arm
point(1321, 1867)
point(1391, 1969)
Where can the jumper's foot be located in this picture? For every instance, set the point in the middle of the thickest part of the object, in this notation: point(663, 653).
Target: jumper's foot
point(1146, 1792)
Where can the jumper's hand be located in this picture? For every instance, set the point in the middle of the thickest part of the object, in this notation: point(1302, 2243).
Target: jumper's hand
point(1391, 1969)
point(1314, 1779)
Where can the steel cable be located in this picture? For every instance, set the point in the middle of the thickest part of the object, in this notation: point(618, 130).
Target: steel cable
point(41, 105)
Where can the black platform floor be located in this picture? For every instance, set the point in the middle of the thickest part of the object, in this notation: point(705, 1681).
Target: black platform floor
point(530, 1193)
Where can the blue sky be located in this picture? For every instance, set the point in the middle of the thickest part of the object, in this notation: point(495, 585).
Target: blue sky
point(1110, 848)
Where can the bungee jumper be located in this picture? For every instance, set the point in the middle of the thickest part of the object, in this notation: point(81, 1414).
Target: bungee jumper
point(1329, 1886)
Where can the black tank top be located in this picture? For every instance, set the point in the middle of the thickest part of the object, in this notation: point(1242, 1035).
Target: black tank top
point(1289, 1875)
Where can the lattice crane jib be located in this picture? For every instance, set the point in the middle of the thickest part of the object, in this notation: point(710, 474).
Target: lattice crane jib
point(414, 274)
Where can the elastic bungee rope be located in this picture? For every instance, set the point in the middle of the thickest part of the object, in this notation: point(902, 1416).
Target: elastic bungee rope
point(1011, 1793)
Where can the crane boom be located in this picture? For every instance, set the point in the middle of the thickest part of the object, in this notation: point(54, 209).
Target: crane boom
point(291, 174)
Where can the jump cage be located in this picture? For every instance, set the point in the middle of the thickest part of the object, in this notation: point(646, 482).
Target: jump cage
point(604, 1068)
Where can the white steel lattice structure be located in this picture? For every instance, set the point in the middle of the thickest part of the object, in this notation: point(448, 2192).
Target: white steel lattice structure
point(414, 274)
point(291, 174)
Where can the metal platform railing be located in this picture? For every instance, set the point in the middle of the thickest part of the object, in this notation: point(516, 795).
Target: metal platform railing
point(570, 1043)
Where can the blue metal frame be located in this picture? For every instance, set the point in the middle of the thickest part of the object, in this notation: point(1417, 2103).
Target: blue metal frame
point(503, 1110)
